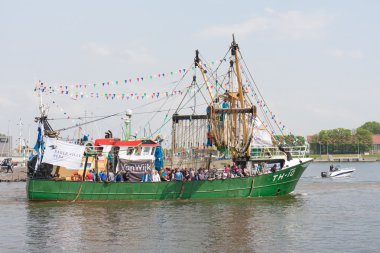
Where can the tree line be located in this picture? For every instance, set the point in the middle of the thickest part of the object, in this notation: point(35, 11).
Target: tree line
point(345, 141)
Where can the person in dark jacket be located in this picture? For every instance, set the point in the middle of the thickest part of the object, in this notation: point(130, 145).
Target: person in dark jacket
point(9, 165)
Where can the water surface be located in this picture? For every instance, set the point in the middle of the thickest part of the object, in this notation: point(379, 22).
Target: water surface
point(322, 215)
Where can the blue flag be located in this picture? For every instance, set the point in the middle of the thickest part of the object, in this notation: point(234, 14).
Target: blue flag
point(40, 145)
point(40, 142)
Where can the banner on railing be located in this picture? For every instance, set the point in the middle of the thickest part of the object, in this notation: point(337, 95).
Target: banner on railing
point(63, 154)
point(135, 168)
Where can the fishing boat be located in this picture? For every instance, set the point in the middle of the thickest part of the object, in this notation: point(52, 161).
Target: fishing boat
point(229, 127)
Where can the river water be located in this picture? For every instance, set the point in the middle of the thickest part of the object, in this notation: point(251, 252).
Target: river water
point(322, 215)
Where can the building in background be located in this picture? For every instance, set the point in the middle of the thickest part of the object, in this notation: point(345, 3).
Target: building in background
point(376, 144)
point(5, 146)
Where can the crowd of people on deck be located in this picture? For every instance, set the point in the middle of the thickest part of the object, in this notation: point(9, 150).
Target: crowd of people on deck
point(185, 174)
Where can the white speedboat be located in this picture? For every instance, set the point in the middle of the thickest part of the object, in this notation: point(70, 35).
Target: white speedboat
point(338, 172)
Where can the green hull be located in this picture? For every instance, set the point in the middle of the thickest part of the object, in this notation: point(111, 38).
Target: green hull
point(280, 183)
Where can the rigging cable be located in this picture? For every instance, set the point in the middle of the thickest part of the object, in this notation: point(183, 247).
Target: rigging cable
point(261, 97)
point(88, 122)
point(167, 98)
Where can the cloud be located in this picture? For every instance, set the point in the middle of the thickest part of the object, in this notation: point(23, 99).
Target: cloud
point(97, 50)
point(241, 29)
point(137, 55)
point(269, 10)
point(297, 25)
point(289, 24)
point(24, 96)
point(347, 54)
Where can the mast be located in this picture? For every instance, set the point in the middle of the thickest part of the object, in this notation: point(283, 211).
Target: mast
point(42, 120)
point(210, 110)
point(21, 141)
point(174, 136)
point(203, 72)
point(40, 135)
point(235, 52)
point(226, 123)
point(227, 115)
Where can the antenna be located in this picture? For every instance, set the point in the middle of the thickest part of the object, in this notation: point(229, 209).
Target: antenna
point(20, 124)
point(128, 124)
point(42, 107)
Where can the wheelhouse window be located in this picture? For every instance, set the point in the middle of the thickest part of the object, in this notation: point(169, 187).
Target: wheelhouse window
point(89, 165)
point(146, 151)
point(130, 151)
point(122, 151)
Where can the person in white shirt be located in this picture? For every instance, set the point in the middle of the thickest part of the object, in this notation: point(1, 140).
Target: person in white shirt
point(111, 176)
point(155, 176)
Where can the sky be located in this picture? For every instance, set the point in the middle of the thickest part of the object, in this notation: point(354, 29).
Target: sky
point(315, 62)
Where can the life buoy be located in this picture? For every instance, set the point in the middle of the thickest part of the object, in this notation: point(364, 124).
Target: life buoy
point(89, 146)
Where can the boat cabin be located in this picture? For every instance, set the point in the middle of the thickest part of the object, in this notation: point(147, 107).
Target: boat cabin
point(132, 150)
point(129, 149)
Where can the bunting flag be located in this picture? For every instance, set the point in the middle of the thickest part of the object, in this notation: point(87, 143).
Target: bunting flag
point(75, 94)
point(82, 91)
point(137, 79)
point(117, 96)
point(60, 108)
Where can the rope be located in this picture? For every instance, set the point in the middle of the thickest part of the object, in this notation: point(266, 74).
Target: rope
point(252, 186)
point(182, 189)
point(80, 189)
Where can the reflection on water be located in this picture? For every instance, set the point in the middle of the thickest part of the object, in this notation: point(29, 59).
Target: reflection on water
point(315, 218)
point(220, 225)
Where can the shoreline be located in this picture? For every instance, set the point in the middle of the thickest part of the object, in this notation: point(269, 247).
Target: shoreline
point(18, 175)
point(337, 159)
point(346, 160)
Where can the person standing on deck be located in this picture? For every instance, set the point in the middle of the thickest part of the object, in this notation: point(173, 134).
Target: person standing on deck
point(192, 174)
point(99, 151)
point(227, 172)
point(103, 176)
point(113, 158)
point(273, 169)
point(147, 177)
point(100, 158)
point(90, 176)
point(155, 176)
point(96, 176)
point(178, 175)
point(259, 169)
point(234, 169)
point(111, 176)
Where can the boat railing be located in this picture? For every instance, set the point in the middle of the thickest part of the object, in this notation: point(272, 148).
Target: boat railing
point(266, 152)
